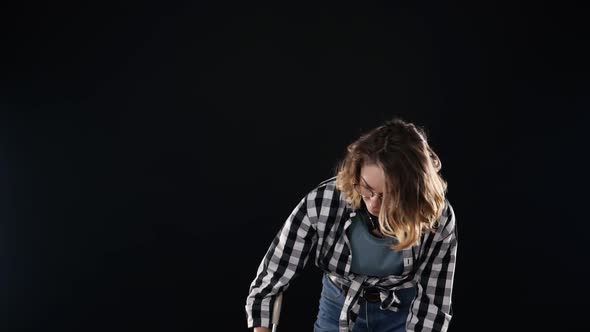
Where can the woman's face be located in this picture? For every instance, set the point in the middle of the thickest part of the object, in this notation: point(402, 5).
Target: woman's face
point(373, 179)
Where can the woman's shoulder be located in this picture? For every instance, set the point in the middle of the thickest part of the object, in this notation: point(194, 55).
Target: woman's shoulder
point(325, 195)
point(445, 225)
point(325, 187)
point(327, 181)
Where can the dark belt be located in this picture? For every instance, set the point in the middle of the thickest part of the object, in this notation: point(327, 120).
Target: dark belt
point(371, 294)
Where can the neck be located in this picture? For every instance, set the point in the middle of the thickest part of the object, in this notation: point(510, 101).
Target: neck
point(373, 219)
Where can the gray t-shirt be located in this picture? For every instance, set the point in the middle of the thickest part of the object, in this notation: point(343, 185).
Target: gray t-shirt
point(372, 255)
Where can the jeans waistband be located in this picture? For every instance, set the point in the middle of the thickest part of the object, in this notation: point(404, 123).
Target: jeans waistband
point(370, 294)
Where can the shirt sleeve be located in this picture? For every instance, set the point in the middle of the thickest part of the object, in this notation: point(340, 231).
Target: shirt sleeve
point(431, 309)
point(284, 259)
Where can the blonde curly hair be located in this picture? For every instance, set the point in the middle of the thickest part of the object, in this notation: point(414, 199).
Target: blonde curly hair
point(414, 195)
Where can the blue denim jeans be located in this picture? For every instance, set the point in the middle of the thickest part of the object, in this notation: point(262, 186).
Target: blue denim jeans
point(370, 319)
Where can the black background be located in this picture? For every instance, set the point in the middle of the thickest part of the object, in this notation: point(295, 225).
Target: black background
point(150, 151)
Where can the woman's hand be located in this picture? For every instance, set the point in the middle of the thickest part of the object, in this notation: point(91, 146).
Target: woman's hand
point(261, 329)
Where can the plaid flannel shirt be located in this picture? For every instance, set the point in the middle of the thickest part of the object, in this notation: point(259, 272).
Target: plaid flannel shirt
point(317, 227)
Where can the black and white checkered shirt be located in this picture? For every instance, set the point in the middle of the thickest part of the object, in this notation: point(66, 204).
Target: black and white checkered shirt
point(316, 228)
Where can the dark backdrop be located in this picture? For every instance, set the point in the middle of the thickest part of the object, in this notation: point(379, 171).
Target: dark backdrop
point(150, 151)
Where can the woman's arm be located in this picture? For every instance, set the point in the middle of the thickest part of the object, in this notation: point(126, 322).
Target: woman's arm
point(284, 259)
point(431, 310)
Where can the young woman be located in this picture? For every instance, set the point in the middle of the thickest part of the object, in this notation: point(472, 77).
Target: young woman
point(383, 232)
